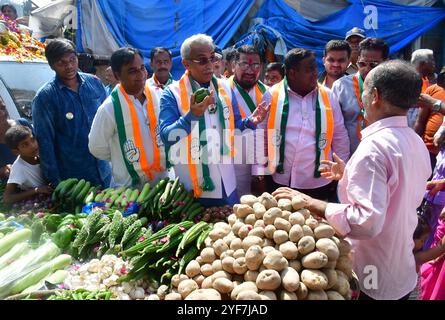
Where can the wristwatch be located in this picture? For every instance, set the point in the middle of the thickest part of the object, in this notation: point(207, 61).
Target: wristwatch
point(436, 106)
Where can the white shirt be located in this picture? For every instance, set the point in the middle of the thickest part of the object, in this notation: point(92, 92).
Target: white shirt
point(104, 140)
point(27, 176)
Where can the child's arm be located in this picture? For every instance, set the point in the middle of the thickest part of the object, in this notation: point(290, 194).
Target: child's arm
point(430, 254)
point(13, 194)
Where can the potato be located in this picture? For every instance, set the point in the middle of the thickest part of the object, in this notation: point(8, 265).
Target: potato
point(314, 260)
point(257, 231)
point(302, 291)
point(153, 297)
point(280, 236)
point(324, 231)
point(271, 214)
point(342, 286)
point(286, 295)
point(217, 265)
point(331, 264)
point(290, 279)
point(162, 291)
point(193, 268)
point(267, 200)
point(296, 218)
point(259, 210)
point(312, 223)
point(344, 247)
point(199, 279)
point(259, 224)
point(285, 214)
point(228, 253)
point(208, 255)
point(204, 294)
point(245, 286)
point(242, 210)
point(232, 219)
point(267, 249)
point(306, 245)
point(307, 231)
point(206, 269)
point(316, 295)
point(252, 241)
point(173, 296)
point(223, 285)
point(254, 257)
point(248, 295)
point(177, 278)
point(239, 266)
point(227, 264)
point(236, 244)
point(328, 247)
point(334, 295)
point(331, 274)
point(345, 264)
point(186, 287)
point(250, 219)
point(285, 204)
point(248, 199)
point(296, 233)
point(282, 224)
point(298, 202)
point(244, 231)
point(199, 260)
point(268, 295)
point(219, 246)
point(221, 274)
point(239, 253)
point(274, 260)
point(305, 212)
point(289, 250)
point(251, 275)
point(269, 231)
point(216, 234)
point(237, 226)
point(268, 280)
point(314, 279)
point(228, 239)
point(295, 264)
point(223, 226)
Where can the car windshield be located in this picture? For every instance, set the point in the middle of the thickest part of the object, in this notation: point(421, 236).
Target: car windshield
point(22, 80)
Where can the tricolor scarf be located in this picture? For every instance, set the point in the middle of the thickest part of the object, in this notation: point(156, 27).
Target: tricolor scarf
point(278, 115)
point(358, 90)
point(260, 89)
point(160, 85)
point(130, 137)
point(187, 86)
point(425, 84)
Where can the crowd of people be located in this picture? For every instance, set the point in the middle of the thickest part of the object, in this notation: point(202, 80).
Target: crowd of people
point(358, 142)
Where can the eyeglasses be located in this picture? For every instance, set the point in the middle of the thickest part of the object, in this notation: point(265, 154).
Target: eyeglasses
point(205, 61)
point(371, 64)
point(254, 66)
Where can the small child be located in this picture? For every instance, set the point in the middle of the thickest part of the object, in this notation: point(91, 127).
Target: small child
point(420, 235)
point(25, 179)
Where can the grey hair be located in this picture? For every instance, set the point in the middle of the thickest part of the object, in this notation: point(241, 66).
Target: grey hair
point(421, 55)
point(200, 38)
point(398, 83)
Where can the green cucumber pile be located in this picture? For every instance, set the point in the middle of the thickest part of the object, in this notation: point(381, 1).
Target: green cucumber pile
point(81, 294)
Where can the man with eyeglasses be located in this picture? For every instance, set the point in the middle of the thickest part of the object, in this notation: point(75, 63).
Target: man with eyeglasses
point(161, 63)
point(200, 134)
point(349, 89)
point(249, 91)
point(63, 112)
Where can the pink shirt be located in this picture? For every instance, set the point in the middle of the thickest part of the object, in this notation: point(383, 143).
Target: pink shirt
point(383, 184)
point(299, 154)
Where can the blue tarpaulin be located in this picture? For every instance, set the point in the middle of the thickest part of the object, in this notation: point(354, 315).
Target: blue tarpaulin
point(397, 24)
point(167, 23)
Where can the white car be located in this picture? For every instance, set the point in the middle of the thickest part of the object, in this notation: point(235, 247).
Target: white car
point(19, 82)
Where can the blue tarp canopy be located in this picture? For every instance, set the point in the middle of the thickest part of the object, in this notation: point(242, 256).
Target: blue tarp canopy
point(167, 23)
point(397, 24)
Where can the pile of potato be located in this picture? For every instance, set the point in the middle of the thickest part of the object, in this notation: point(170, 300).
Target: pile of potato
point(269, 250)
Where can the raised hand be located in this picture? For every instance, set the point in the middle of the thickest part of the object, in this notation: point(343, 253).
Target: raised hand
point(333, 169)
point(198, 109)
point(260, 113)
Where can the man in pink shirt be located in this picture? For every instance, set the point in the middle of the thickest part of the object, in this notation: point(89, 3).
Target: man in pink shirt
point(307, 126)
point(382, 185)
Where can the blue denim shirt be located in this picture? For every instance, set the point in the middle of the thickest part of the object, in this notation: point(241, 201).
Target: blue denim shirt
point(170, 117)
point(62, 120)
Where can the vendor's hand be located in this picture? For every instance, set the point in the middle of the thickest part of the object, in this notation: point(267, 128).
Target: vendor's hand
point(198, 109)
point(425, 101)
point(439, 138)
point(334, 170)
point(435, 186)
point(288, 193)
point(5, 171)
point(260, 113)
point(44, 190)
